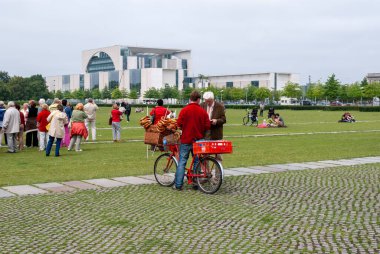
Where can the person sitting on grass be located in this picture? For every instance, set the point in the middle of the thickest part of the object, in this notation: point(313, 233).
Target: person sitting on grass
point(347, 118)
point(280, 120)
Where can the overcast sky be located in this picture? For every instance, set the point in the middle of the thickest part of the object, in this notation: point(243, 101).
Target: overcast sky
point(308, 37)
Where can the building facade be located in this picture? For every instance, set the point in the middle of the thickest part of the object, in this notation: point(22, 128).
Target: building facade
point(373, 77)
point(140, 68)
point(129, 68)
point(270, 80)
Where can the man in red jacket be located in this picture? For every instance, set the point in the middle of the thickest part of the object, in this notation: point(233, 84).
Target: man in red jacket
point(194, 122)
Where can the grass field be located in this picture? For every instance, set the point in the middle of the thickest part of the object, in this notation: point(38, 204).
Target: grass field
point(310, 136)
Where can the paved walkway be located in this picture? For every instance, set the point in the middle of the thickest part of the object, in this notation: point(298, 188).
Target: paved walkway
point(44, 188)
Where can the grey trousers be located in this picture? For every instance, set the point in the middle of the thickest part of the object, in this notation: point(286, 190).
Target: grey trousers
point(12, 146)
point(75, 139)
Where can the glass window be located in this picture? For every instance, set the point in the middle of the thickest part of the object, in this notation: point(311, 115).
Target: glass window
point(94, 80)
point(184, 64)
point(113, 80)
point(135, 80)
point(229, 84)
point(66, 83)
point(255, 83)
point(81, 82)
point(101, 61)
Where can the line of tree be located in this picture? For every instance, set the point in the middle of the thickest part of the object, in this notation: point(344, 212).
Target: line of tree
point(34, 87)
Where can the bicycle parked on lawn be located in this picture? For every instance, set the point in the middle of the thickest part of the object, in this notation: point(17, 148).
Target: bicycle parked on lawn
point(251, 120)
point(207, 173)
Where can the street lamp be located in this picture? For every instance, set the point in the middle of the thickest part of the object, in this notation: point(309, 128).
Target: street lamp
point(221, 95)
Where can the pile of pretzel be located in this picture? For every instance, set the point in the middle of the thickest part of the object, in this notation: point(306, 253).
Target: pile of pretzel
point(167, 124)
point(145, 122)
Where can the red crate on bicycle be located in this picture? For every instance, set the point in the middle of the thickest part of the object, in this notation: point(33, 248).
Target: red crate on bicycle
point(212, 147)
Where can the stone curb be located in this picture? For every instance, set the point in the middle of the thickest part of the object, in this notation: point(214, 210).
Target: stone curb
point(46, 188)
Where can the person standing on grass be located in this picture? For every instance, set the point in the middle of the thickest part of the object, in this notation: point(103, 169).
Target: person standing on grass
point(11, 126)
point(31, 125)
point(194, 122)
point(216, 114)
point(90, 109)
point(2, 112)
point(20, 136)
point(127, 111)
point(262, 106)
point(115, 114)
point(57, 120)
point(78, 128)
point(68, 111)
point(42, 122)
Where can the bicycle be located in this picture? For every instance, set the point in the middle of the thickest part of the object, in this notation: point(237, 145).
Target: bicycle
point(248, 118)
point(207, 174)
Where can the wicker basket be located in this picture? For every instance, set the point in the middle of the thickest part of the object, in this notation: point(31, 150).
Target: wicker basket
point(153, 136)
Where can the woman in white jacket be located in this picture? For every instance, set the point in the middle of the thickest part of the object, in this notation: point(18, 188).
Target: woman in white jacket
point(57, 120)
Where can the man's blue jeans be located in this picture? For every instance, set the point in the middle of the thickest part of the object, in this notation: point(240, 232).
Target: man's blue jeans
point(184, 151)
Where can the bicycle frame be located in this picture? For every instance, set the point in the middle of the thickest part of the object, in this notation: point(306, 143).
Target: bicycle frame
point(174, 153)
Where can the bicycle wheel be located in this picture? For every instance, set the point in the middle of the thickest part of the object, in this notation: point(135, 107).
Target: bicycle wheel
point(245, 120)
point(212, 180)
point(164, 169)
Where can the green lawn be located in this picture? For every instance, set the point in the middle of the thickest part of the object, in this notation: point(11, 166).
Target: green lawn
point(310, 136)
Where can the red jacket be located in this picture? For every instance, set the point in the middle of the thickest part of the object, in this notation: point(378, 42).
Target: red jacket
point(116, 115)
point(159, 111)
point(22, 118)
point(42, 120)
point(194, 122)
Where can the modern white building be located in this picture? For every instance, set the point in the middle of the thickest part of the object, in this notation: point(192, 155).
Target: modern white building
point(270, 80)
point(141, 68)
point(373, 77)
point(130, 68)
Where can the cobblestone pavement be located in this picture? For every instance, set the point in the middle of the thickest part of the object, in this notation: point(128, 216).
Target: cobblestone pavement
point(332, 210)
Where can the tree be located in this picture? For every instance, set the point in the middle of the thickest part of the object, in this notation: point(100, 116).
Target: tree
point(262, 93)
point(78, 94)
point(116, 93)
point(133, 94)
point(87, 94)
point(251, 93)
point(292, 90)
point(276, 95)
point(67, 95)
point(124, 92)
point(36, 87)
point(372, 90)
point(186, 93)
point(58, 94)
point(236, 94)
point(364, 82)
point(5, 93)
point(152, 93)
point(96, 93)
point(354, 91)
point(17, 88)
point(169, 92)
point(332, 87)
point(106, 94)
point(4, 76)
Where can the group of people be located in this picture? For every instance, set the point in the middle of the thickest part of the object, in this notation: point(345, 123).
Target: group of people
point(274, 119)
point(45, 124)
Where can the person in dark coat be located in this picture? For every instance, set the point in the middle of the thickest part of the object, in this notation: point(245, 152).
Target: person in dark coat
point(31, 125)
point(217, 116)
